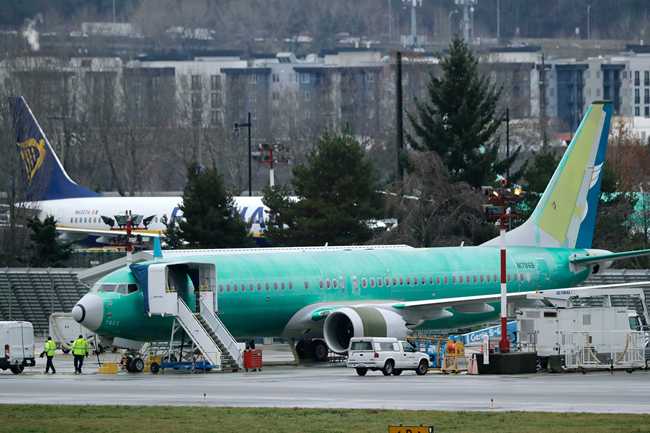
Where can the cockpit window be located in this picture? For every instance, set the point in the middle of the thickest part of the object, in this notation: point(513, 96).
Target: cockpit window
point(122, 289)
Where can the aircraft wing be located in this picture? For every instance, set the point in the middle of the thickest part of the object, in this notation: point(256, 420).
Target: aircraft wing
point(107, 232)
point(429, 309)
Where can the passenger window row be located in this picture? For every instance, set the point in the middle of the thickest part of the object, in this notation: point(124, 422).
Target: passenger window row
point(416, 280)
point(366, 282)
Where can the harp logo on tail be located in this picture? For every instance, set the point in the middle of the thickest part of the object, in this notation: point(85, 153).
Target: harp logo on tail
point(33, 153)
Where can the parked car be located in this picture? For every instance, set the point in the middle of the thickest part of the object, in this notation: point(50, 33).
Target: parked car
point(386, 354)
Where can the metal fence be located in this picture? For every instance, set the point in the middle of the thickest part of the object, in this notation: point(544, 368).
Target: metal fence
point(604, 349)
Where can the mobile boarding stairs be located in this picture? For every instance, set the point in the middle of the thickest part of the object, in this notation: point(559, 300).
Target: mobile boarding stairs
point(162, 283)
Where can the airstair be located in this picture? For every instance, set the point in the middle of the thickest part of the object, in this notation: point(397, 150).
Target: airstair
point(206, 331)
point(198, 334)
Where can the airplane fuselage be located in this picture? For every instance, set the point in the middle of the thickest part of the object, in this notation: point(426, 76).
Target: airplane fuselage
point(85, 213)
point(261, 294)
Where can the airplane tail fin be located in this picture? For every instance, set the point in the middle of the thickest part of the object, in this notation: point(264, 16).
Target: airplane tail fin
point(566, 213)
point(46, 177)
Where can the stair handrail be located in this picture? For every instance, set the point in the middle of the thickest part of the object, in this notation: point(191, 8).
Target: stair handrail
point(223, 334)
point(185, 310)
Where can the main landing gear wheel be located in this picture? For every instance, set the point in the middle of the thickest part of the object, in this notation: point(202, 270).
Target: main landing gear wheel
point(361, 371)
point(388, 369)
point(321, 351)
point(302, 349)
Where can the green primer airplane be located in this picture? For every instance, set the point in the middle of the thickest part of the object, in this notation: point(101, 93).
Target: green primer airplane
point(335, 293)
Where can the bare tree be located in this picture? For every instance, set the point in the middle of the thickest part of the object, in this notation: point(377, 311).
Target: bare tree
point(431, 210)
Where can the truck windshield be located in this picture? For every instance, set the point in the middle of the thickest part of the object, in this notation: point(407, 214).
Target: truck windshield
point(361, 345)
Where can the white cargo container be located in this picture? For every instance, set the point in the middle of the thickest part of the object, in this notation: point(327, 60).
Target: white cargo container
point(17, 342)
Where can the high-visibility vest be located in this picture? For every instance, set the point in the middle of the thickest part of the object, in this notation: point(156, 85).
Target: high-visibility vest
point(79, 347)
point(50, 348)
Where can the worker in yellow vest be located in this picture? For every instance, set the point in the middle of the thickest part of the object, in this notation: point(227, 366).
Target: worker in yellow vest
point(79, 351)
point(49, 350)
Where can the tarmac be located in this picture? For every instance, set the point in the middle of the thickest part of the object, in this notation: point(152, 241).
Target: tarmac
point(332, 386)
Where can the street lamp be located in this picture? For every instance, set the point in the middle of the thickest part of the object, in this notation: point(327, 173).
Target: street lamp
point(248, 125)
point(451, 34)
point(588, 22)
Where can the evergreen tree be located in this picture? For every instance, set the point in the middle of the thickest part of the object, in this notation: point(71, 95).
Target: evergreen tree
point(46, 249)
point(172, 237)
point(336, 197)
point(459, 119)
point(210, 218)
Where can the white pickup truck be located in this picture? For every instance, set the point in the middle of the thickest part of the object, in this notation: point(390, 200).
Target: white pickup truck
point(389, 355)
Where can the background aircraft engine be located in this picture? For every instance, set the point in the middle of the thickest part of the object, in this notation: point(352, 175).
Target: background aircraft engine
point(343, 324)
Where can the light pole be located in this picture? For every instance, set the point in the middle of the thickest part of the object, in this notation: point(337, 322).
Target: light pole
point(498, 20)
point(508, 141)
point(451, 33)
point(588, 22)
point(248, 125)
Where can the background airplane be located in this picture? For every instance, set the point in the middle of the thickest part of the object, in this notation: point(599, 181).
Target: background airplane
point(80, 212)
point(333, 294)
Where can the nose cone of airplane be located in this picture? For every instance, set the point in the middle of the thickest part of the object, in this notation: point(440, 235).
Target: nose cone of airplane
point(89, 311)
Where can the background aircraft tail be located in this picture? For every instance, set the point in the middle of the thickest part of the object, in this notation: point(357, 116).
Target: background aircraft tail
point(566, 214)
point(46, 177)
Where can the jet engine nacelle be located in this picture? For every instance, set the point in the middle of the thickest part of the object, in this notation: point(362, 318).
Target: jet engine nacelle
point(343, 324)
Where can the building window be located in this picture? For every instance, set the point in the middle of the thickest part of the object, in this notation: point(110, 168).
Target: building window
point(275, 96)
point(306, 94)
point(196, 100)
point(637, 111)
point(215, 82)
point(276, 78)
point(646, 111)
point(196, 82)
point(305, 78)
point(370, 77)
point(646, 78)
point(196, 117)
point(637, 96)
point(636, 78)
point(646, 96)
point(215, 100)
point(216, 117)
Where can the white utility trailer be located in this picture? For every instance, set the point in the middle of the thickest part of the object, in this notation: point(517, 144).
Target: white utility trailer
point(17, 343)
point(590, 337)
